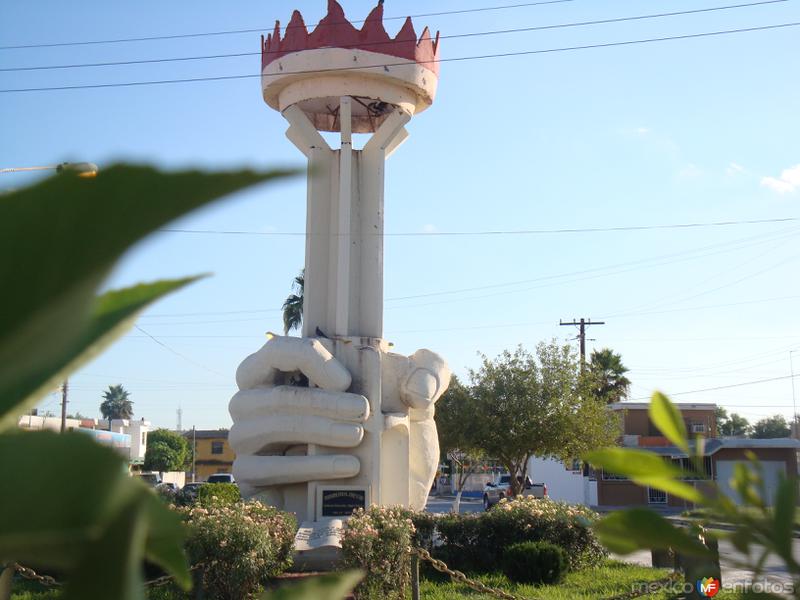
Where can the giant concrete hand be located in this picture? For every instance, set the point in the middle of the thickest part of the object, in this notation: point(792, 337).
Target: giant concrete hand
point(275, 419)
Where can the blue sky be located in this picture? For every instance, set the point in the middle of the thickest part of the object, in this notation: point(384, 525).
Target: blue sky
point(697, 130)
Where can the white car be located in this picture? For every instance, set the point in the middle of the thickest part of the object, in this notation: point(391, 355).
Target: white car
point(501, 488)
point(221, 478)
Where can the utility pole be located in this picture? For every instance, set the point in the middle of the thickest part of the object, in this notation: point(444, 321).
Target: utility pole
point(194, 452)
point(794, 400)
point(582, 325)
point(64, 391)
point(180, 419)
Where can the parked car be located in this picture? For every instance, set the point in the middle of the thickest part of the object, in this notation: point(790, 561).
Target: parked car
point(221, 478)
point(150, 478)
point(501, 488)
point(188, 493)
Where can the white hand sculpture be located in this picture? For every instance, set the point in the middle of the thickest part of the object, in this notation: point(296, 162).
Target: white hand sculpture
point(274, 421)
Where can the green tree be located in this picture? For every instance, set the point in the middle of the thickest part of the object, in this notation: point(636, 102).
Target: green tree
point(721, 416)
point(166, 451)
point(734, 426)
point(117, 403)
point(608, 373)
point(771, 427)
point(293, 305)
point(524, 405)
point(454, 422)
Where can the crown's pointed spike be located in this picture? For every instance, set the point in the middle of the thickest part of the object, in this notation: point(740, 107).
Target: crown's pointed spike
point(436, 43)
point(406, 31)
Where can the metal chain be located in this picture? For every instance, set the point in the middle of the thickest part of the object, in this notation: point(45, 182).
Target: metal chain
point(48, 581)
point(459, 577)
point(28, 573)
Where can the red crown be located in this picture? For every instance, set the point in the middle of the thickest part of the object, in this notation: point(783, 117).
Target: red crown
point(335, 31)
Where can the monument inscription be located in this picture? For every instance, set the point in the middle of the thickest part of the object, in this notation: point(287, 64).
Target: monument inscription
point(342, 503)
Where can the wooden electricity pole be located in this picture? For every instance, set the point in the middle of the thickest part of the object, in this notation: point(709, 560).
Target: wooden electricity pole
point(582, 325)
point(64, 390)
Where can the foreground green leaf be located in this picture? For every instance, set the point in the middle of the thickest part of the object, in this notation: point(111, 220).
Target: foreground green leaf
point(333, 586)
point(666, 416)
point(74, 507)
point(635, 529)
point(60, 237)
point(645, 468)
point(114, 314)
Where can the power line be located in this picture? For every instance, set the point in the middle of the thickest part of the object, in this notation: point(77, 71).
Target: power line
point(391, 41)
point(725, 387)
point(498, 232)
point(176, 353)
point(659, 260)
point(269, 28)
point(398, 64)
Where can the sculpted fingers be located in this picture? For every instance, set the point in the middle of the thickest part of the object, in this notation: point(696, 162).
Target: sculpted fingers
point(280, 470)
point(290, 400)
point(288, 354)
point(260, 434)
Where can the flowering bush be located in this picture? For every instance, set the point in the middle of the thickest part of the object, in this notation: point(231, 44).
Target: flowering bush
point(477, 542)
point(212, 494)
point(378, 540)
point(240, 546)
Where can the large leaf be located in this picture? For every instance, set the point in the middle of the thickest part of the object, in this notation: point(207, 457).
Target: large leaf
point(114, 313)
point(333, 586)
point(75, 508)
point(666, 416)
point(635, 529)
point(783, 519)
point(60, 237)
point(58, 240)
point(645, 468)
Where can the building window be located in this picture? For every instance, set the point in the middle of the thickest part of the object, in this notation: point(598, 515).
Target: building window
point(144, 438)
point(216, 447)
point(613, 476)
point(698, 427)
point(655, 496)
point(687, 465)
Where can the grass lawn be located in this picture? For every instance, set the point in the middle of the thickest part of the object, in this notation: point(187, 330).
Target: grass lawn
point(611, 579)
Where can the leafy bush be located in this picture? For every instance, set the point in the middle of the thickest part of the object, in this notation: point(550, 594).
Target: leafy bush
point(477, 542)
point(378, 540)
point(218, 494)
point(241, 546)
point(534, 562)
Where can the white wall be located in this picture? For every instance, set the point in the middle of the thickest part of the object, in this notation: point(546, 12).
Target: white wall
point(562, 484)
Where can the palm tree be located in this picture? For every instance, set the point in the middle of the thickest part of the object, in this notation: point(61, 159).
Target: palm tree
point(293, 305)
point(608, 374)
point(116, 404)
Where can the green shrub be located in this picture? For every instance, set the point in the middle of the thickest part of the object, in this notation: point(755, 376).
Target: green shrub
point(378, 540)
point(240, 546)
point(477, 542)
point(534, 562)
point(218, 494)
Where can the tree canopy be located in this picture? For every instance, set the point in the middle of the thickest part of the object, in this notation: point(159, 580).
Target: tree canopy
point(607, 372)
point(167, 451)
point(520, 405)
point(734, 425)
point(117, 403)
point(293, 305)
point(771, 427)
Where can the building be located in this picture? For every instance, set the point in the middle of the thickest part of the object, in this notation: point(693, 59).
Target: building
point(128, 436)
point(212, 453)
point(721, 455)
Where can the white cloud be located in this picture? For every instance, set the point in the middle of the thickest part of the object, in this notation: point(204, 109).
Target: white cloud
point(642, 130)
point(734, 168)
point(428, 228)
point(788, 182)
